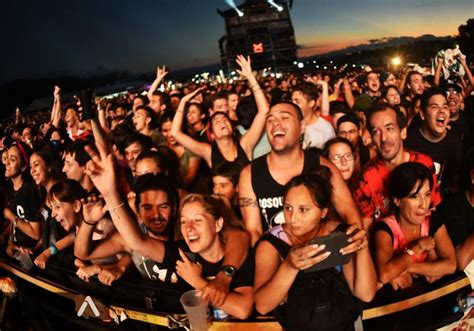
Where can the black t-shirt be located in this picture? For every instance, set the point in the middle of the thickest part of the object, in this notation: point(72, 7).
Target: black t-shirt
point(447, 153)
point(270, 193)
point(218, 159)
point(243, 276)
point(457, 214)
point(25, 203)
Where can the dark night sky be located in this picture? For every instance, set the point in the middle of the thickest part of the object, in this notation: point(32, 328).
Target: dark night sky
point(44, 38)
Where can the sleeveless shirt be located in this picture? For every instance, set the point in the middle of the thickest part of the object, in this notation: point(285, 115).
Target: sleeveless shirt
point(270, 193)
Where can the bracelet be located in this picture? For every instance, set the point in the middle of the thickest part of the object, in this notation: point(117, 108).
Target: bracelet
point(15, 221)
point(88, 223)
point(253, 85)
point(114, 209)
point(53, 249)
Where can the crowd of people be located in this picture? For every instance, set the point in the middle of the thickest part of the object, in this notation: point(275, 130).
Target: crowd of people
point(227, 187)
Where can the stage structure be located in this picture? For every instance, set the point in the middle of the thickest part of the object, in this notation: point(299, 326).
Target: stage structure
point(262, 29)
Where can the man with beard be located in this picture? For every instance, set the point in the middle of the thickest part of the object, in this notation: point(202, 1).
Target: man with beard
point(388, 129)
point(261, 184)
point(156, 202)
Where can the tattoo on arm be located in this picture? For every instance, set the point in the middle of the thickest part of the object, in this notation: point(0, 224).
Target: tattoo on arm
point(248, 202)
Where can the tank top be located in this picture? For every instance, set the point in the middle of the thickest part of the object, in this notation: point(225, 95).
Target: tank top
point(400, 243)
point(151, 269)
point(217, 158)
point(270, 193)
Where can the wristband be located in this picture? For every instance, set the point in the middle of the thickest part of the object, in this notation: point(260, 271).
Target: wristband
point(88, 223)
point(53, 249)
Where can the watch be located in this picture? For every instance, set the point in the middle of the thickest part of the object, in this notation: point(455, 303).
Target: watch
point(228, 270)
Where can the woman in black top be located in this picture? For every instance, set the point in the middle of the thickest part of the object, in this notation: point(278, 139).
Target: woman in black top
point(225, 148)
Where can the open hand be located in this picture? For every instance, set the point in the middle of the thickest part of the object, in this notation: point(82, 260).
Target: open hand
point(101, 169)
point(245, 66)
point(93, 209)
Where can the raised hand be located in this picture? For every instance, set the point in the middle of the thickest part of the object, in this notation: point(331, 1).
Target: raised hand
point(245, 66)
point(57, 92)
point(188, 97)
point(101, 169)
point(93, 209)
point(161, 72)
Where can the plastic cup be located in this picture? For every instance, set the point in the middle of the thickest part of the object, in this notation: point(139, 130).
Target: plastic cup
point(24, 259)
point(196, 310)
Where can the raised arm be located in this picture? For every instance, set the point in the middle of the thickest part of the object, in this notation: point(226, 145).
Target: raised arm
point(160, 74)
point(348, 95)
point(93, 211)
point(201, 149)
point(324, 97)
point(249, 205)
point(439, 66)
point(101, 116)
point(101, 169)
point(56, 111)
point(252, 136)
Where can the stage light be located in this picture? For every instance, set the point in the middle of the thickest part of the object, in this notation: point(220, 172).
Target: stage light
point(231, 3)
point(396, 61)
point(300, 65)
point(273, 4)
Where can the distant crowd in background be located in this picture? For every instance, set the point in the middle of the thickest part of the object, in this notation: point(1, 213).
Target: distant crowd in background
point(226, 186)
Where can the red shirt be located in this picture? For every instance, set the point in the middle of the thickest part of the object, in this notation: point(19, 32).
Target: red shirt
point(370, 191)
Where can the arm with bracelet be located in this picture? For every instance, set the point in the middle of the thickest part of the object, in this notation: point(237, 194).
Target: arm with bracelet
point(54, 248)
point(252, 136)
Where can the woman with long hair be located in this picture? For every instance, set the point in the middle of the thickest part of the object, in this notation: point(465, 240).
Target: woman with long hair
point(324, 299)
